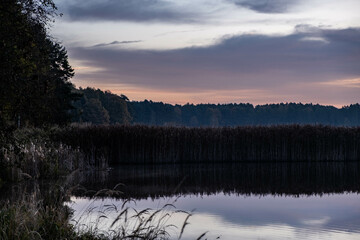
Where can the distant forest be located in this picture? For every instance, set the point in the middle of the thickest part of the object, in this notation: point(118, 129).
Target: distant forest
point(103, 107)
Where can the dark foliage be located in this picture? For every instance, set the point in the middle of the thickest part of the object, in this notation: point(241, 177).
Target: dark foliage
point(34, 77)
point(104, 107)
point(158, 113)
point(99, 107)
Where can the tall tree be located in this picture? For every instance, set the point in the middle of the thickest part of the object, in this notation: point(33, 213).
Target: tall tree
point(35, 72)
point(115, 106)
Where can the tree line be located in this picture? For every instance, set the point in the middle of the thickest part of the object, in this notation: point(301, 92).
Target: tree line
point(151, 113)
point(103, 107)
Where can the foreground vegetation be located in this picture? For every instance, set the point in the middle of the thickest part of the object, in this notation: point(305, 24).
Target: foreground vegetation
point(32, 154)
point(43, 215)
point(33, 217)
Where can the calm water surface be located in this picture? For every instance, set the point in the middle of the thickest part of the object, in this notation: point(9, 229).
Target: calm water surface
point(248, 201)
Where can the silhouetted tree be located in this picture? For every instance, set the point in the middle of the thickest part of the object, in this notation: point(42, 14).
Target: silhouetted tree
point(94, 112)
point(152, 113)
point(35, 72)
point(110, 107)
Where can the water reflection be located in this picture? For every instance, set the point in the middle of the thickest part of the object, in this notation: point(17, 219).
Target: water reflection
point(263, 178)
point(246, 201)
point(234, 201)
point(232, 216)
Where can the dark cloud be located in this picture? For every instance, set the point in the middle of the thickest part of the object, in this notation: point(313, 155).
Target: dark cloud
point(116, 43)
point(124, 10)
point(348, 36)
point(239, 62)
point(266, 6)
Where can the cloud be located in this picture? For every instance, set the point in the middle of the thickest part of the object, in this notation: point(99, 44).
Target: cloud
point(349, 83)
point(126, 10)
point(275, 63)
point(115, 43)
point(266, 6)
point(347, 36)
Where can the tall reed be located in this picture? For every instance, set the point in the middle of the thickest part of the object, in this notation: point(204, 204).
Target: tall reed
point(37, 214)
point(31, 154)
point(145, 144)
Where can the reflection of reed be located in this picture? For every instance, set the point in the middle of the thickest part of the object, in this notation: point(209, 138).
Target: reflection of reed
point(35, 191)
point(248, 178)
point(26, 191)
point(143, 144)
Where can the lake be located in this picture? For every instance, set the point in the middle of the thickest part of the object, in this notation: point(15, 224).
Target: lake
point(231, 201)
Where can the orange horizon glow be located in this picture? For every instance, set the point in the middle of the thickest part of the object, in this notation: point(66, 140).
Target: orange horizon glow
point(182, 97)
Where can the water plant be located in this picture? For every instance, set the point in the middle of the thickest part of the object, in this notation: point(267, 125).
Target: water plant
point(31, 154)
point(43, 215)
point(120, 220)
point(151, 145)
point(32, 216)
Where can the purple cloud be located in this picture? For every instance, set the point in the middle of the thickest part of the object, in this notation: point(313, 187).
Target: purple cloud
point(245, 61)
point(266, 6)
point(126, 10)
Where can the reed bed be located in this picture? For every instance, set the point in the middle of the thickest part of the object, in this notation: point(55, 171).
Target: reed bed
point(151, 145)
point(31, 154)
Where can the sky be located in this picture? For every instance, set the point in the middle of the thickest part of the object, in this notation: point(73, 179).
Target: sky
point(215, 51)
